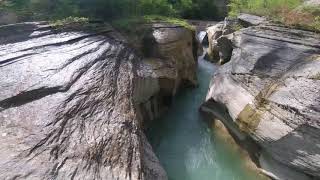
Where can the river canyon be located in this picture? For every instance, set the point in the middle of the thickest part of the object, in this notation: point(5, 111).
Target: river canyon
point(83, 104)
point(187, 147)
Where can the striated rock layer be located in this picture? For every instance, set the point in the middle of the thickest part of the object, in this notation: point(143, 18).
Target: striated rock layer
point(73, 103)
point(270, 92)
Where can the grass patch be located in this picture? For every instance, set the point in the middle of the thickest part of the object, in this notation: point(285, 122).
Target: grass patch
point(237, 27)
point(134, 23)
point(81, 24)
point(170, 20)
point(69, 21)
point(292, 13)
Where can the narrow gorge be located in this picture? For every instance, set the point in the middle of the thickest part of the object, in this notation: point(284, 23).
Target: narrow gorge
point(156, 98)
point(267, 93)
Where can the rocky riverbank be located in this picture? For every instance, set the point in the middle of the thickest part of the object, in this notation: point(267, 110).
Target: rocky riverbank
point(73, 103)
point(267, 92)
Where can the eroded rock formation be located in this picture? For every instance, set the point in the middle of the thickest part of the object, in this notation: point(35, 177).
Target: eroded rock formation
point(269, 93)
point(73, 103)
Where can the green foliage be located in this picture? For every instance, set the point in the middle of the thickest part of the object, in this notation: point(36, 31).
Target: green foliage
point(128, 24)
point(314, 10)
point(80, 24)
point(110, 9)
point(170, 20)
point(197, 9)
point(163, 7)
point(316, 24)
point(261, 7)
point(288, 12)
point(70, 21)
point(237, 27)
point(131, 24)
point(18, 6)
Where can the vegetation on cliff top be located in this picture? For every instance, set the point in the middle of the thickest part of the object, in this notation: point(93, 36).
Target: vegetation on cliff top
point(128, 24)
point(125, 12)
point(110, 9)
point(289, 12)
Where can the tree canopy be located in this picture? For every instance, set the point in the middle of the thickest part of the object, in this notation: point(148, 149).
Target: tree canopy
point(110, 9)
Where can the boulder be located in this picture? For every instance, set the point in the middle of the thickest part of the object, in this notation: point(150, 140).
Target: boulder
point(73, 103)
point(220, 46)
point(213, 34)
point(270, 92)
point(220, 35)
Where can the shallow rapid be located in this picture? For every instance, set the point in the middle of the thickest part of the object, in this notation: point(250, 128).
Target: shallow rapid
point(186, 146)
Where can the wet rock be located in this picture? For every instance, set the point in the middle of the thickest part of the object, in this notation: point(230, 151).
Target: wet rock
point(203, 38)
point(71, 102)
point(270, 91)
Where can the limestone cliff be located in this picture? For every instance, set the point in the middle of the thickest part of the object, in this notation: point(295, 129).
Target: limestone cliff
point(269, 93)
point(73, 103)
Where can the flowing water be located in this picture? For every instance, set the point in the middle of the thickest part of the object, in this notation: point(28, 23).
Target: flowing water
point(186, 146)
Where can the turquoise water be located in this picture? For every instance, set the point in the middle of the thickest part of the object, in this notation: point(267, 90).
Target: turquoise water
point(186, 146)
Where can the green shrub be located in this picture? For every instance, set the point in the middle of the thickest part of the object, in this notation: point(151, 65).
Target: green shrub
point(317, 23)
point(288, 12)
point(261, 7)
point(130, 24)
point(70, 21)
point(110, 9)
point(149, 7)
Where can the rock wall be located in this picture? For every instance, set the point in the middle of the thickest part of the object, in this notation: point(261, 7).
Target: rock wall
point(71, 101)
point(269, 92)
point(170, 54)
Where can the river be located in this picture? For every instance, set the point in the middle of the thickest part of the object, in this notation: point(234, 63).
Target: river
point(186, 146)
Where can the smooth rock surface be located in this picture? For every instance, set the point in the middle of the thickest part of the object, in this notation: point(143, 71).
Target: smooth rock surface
point(251, 20)
point(71, 102)
point(271, 90)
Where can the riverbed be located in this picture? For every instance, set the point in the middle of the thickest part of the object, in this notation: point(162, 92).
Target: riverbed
point(185, 145)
